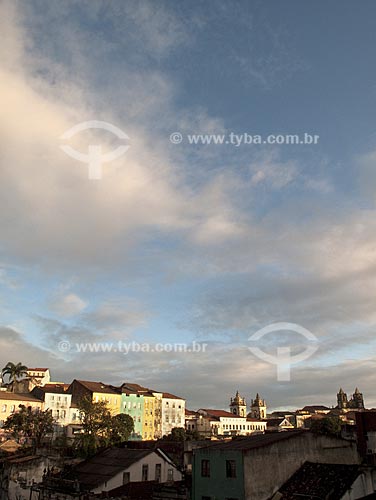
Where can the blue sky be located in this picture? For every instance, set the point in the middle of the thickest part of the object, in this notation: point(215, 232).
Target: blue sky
point(190, 242)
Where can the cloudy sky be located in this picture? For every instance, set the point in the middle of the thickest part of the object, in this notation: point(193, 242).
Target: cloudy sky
point(185, 242)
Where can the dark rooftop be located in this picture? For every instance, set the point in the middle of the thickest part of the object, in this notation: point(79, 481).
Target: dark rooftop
point(106, 464)
point(320, 481)
point(256, 441)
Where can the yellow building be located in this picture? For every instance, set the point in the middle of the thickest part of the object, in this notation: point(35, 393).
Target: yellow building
point(98, 392)
point(148, 430)
point(10, 403)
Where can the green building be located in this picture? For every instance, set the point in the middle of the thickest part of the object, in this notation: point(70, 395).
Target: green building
point(217, 474)
point(132, 404)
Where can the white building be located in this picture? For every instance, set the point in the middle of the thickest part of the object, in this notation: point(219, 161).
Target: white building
point(39, 376)
point(224, 423)
point(173, 412)
point(56, 399)
point(120, 466)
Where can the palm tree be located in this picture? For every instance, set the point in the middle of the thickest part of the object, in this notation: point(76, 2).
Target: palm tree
point(14, 371)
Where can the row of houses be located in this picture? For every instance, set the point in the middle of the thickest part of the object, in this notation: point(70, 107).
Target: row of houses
point(155, 413)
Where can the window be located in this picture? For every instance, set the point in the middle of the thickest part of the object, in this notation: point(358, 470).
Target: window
point(126, 477)
point(12, 409)
point(205, 468)
point(158, 472)
point(170, 474)
point(145, 472)
point(230, 468)
point(4, 408)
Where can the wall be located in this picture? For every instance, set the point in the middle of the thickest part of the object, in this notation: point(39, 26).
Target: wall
point(217, 486)
point(113, 401)
point(267, 468)
point(364, 485)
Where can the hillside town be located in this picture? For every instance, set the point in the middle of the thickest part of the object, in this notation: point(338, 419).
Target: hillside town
point(134, 442)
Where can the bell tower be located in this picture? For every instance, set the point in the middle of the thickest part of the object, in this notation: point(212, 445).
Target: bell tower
point(258, 408)
point(342, 399)
point(238, 405)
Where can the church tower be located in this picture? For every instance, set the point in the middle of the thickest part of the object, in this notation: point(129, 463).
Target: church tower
point(238, 405)
point(357, 400)
point(342, 399)
point(258, 408)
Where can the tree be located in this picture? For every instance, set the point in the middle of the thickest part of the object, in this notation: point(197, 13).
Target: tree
point(14, 371)
point(121, 427)
point(177, 434)
point(100, 428)
point(33, 424)
point(330, 426)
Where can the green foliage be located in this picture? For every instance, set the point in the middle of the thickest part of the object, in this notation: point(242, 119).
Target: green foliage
point(100, 428)
point(122, 427)
point(32, 424)
point(330, 426)
point(14, 371)
point(177, 434)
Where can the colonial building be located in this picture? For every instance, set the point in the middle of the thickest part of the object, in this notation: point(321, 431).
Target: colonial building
point(219, 423)
point(56, 398)
point(173, 412)
point(10, 403)
point(97, 391)
point(35, 377)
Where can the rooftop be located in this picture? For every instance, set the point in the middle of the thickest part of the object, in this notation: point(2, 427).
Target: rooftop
point(255, 441)
point(106, 464)
point(313, 481)
point(54, 388)
point(168, 395)
point(13, 396)
point(97, 387)
point(219, 413)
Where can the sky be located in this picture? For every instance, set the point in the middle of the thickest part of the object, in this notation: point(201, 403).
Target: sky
point(204, 243)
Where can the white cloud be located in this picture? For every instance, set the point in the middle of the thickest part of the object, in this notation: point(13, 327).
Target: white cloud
point(68, 305)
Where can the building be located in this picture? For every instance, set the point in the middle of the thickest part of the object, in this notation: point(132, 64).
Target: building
point(132, 403)
point(35, 377)
point(154, 413)
point(238, 406)
point(97, 391)
point(40, 376)
point(254, 468)
point(115, 467)
point(216, 423)
point(355, 403)
point(173, 412)
point(10, 403)
point(56, 398)
point(278, 424)
point(366, 435)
